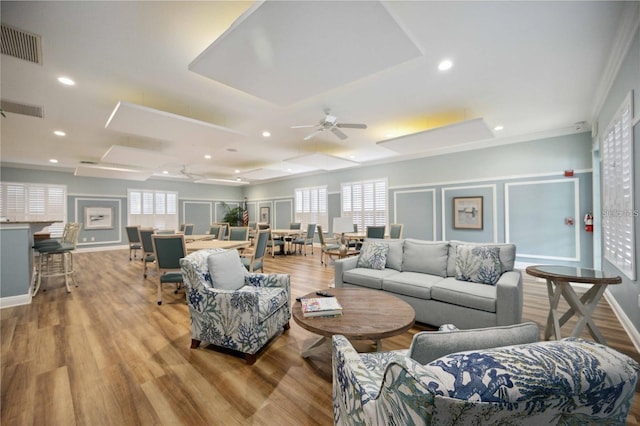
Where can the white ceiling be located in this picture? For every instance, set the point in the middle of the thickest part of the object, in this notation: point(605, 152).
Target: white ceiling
point(159, 85)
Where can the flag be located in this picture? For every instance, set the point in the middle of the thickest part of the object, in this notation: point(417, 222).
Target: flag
point(245, 213)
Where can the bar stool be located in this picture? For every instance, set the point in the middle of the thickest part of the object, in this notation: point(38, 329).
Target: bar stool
point(56, 259)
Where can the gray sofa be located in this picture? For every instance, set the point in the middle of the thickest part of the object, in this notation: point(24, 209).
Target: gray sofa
point(423, 273)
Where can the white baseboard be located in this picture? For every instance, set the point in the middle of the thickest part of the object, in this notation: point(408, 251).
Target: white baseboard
point(628, 326)
point(11, 301)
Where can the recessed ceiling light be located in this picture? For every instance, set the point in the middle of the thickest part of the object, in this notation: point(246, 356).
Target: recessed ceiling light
point(207, 156)
point(266, 134)
point(53, 160)
point(237, 171)
point(498, 128)
point(59, 133)
point(445, 65)
point(66, 81)
point(165, 172)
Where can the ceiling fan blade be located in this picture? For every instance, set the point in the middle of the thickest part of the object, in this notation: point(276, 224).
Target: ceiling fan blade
point(310, 135)
point(304, 126)
point(338, 133)
point(351, 126)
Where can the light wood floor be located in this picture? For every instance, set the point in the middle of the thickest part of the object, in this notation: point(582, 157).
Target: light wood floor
point(107, 354)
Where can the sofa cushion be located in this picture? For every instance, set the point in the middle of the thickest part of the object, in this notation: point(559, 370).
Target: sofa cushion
point(412, 284)
point(373, 255)
point(427, 346)
point(479, 264)
point(466, 294)
point(427, 257)
point(394, 256)
point(226, 270)
point(507, 255)
point(365, 277)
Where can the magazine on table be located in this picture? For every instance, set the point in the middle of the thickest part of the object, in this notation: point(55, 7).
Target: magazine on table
point(320, 307)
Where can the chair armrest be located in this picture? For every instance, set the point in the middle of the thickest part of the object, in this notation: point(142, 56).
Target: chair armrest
point(509, 296)
point(341, 266)
point(377, 388)
point(267, 280)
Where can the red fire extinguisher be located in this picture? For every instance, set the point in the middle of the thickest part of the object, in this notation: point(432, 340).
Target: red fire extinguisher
point(588, 222)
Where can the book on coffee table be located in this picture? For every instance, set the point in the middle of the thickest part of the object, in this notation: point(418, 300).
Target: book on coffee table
point(320, 307)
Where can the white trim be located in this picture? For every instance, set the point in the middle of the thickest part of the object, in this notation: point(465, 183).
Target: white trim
point(576, 216)
point(626, 323)
point(494, 197)
point(435, 209)
point(11, 301)
point(117, 214)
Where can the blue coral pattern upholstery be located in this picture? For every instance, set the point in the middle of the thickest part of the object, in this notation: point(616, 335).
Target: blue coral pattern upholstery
point(567, 382)
point(243, 320)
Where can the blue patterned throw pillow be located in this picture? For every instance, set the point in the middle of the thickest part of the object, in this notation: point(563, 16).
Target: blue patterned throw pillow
point(373, 255)
point(478, 264)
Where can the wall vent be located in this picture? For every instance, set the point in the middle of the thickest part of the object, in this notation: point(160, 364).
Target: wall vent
point(23, 109)
point(21, 44)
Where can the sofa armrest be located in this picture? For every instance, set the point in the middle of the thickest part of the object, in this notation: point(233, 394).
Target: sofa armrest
point(509, 298)
point(341, 266)
point(267, 280)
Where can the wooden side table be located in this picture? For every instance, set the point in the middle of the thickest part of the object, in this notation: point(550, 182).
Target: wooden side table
point(559, 279)
point(340, 255)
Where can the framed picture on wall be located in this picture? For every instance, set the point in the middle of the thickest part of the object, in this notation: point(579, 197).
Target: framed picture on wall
point(98, 218)
point(264, 215)
point(467, 213)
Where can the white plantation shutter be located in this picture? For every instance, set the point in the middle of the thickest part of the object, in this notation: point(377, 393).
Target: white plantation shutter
point(365, 202)
point(618, 212)
point(311, 206)
point(153, 209)
point(35, 202)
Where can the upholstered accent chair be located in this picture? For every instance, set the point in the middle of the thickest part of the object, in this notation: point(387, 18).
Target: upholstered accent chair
point(231, 307)
point(510, 378)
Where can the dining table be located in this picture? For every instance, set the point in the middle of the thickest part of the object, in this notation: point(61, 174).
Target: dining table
point(285, 233)
point(203, 244)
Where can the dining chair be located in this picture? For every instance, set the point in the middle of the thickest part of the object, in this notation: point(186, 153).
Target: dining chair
point(133, 235)
point(272, 243)
point(253, 258)
point(168, 250)
point(187, 228)
point(395, 231)
point(148, 255)
point(306, 239)
point(326, 243)
point(375, 231)
point(216, 231)
point(289, 239)
point(239, 233)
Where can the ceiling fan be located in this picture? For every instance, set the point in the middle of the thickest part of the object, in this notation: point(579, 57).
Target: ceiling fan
point(330, 122)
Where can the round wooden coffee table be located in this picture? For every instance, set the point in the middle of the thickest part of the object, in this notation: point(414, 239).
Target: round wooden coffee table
point(366, 315)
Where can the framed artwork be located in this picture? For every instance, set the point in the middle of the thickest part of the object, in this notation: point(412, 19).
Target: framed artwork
point(264, 215)
point(467, 213)
point(98, 218)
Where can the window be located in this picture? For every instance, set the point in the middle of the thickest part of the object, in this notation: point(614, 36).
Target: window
point(311, 206)
point(153, 209)
point(35, 202)
point(365, 202)
point(618, 213)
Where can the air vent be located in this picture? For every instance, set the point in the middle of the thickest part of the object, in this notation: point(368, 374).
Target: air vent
point(88, 162)
point(21, 44)
point(24, 109)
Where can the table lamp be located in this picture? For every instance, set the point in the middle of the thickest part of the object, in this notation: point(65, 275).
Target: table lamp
point(340, 226)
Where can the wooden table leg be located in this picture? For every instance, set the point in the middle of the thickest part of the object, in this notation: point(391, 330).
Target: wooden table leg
point(583, 308)
point(319, 342)
point(554, 291)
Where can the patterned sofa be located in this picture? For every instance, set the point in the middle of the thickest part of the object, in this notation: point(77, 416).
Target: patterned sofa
point(567, 382)
point(467, 284)
point(242, 319)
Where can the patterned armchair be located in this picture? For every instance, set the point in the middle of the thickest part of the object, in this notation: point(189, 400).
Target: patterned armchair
point(571, 381)
point(243, 320)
